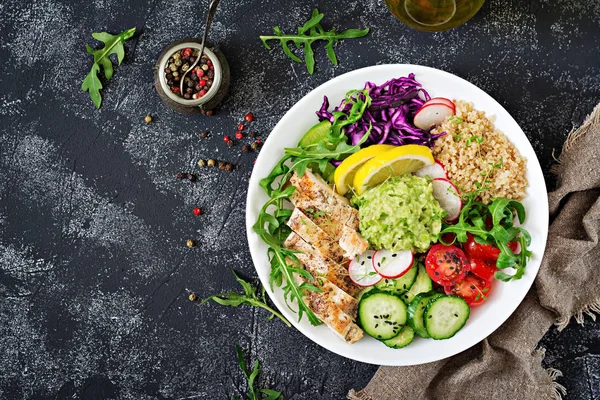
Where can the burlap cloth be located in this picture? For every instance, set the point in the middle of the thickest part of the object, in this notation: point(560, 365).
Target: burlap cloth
point(507, 365)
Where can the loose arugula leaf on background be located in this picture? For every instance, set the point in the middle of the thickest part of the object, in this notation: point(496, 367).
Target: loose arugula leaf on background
point(113, 44)
point(250, 297)
point(308, 33)
point(251, 376)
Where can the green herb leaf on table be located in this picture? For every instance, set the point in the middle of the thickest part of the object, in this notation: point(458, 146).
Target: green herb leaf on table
point(251, 376)
point(250, 297)
point(308, 33)
point(113, 44)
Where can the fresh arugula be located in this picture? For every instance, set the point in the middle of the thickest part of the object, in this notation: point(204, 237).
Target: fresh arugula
point(309, 33)
point(113, 44)
point(250, 297)
point(254, 393)
point(473, 218)
point(270, 225)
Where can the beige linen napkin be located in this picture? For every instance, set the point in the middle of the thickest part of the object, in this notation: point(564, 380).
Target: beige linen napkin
point(507, 365)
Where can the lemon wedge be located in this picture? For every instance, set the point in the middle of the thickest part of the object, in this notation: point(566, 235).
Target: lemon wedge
point(398, 161)
point(344, 173)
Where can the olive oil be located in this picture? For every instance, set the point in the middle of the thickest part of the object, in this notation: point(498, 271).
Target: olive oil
point(434, 15)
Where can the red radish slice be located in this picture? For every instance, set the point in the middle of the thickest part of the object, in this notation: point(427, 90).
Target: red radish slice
point(432, 115)
point(440, 100)
point(433, 171)
point(361, 270)
point(392, 264)
point(448, 196)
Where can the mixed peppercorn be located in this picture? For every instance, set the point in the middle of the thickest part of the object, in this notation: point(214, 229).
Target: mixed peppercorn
point(198, 82)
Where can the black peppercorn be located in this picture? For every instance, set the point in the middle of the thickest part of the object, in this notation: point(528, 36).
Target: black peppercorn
point(204, 134)
point(191, 177)
point(192, 59)
point(190, 83)
point(194, 77)
point(229, 143)
point(169, 76)
point(253, 135)
point(208, 113)
point(187, 96)
point(245, 148)
point(189, 90)
point(228, 167)
point(180, 175)
point(221, 165)
point(210, 74)
point(170, 83)
point(176, 78)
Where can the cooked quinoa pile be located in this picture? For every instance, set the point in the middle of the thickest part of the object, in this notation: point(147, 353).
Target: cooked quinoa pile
point(476, 155)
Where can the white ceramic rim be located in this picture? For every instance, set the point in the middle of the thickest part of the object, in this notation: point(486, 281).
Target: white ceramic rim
point(500, 305)
point(216, 80)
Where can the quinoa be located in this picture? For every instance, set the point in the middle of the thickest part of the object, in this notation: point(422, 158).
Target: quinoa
point(476, 155)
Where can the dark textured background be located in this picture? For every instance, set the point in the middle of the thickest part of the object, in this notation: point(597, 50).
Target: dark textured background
point(94, 271)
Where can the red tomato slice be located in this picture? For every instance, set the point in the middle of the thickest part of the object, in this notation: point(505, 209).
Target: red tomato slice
point(478, 251)
point(446, 265)
point(472, 288)
point(483, 268)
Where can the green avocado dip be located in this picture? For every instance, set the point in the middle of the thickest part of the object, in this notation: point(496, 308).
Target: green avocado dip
point(400, 214)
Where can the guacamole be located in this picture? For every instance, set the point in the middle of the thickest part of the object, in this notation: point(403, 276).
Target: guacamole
point(400, 214)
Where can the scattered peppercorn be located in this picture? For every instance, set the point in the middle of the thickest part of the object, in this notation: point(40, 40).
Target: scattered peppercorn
point(180, 175)
point(258, 142)
point(193, 297)
point(226, 139)
point(249, 117)
point(197, 211)
point(245, 148)
point(254, 146)
point(253, 135)
point(228, 167)
point(239, 135)
point(190, 243)
point(221, 165)
point(208, 113)
point(204, 134)
point(201, 163)
point(191, 177)
point(211, 163)
point(229, 143)
point(148, 119)
point(240, 127)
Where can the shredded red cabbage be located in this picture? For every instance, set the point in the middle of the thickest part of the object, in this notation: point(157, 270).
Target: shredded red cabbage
point(393, 107)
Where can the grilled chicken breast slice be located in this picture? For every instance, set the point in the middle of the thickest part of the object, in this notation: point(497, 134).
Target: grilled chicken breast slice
point(321, 267)
point(313, 234)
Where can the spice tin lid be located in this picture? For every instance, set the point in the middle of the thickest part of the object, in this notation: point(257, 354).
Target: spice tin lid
point(212, 97)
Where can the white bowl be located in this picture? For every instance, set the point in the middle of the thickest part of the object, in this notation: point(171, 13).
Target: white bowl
point(504, 298)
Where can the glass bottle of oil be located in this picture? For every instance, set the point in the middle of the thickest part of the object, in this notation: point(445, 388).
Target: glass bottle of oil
point(434, 15)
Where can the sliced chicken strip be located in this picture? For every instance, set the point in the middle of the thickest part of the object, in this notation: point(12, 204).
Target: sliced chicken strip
point(352, 243)
point(313, 191)
point(319, 266)
point(311, 233)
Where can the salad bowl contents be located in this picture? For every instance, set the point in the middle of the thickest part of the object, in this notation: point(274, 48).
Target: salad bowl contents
point(396, 218)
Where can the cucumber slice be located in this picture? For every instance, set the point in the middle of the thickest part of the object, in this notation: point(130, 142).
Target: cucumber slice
point(399, 285)
point(416, 309)
point(422, 284)
point(404, 338)
point(382, 315)
point(315, 134)
point(445, 316)
point(366, 290)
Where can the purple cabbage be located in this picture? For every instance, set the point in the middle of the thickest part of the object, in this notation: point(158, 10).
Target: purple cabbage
point(390, 115)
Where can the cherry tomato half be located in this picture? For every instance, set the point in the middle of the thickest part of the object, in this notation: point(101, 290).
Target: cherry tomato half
point(478, 251)
point(483, 268)
point(471, 288)
point(446, 265)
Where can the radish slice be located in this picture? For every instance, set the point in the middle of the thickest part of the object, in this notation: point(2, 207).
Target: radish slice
point(448, 196)
point(433, 171)
point(392, 264)
point(440, 100)
point(361, 270)
point(432, 115)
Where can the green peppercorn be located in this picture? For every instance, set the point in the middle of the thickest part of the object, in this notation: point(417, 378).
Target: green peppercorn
point(204, 67)
point(178, 62)
point(177, 56)
point(148, 119)
point(201, 163)
point(173, 67)
point(190, 244)
point(254, 146)
point(185, 67)
point(175, 74)
point(193, 297)
point(211, 163)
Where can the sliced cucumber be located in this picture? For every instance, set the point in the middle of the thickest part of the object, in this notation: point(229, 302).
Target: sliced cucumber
point(399, 285)
point(404, 338)
point(366, 290)
point(445, 316)
point(422, 284)
point(382, 315)
point(416, 309)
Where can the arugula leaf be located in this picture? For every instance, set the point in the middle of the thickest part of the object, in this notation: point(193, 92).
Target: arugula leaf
point(250, 297)
point(308, 33)
point(251, 378)
point(113, 44)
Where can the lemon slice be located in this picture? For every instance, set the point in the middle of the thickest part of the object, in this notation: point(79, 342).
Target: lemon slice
point(397, 161)
point(344, 173)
